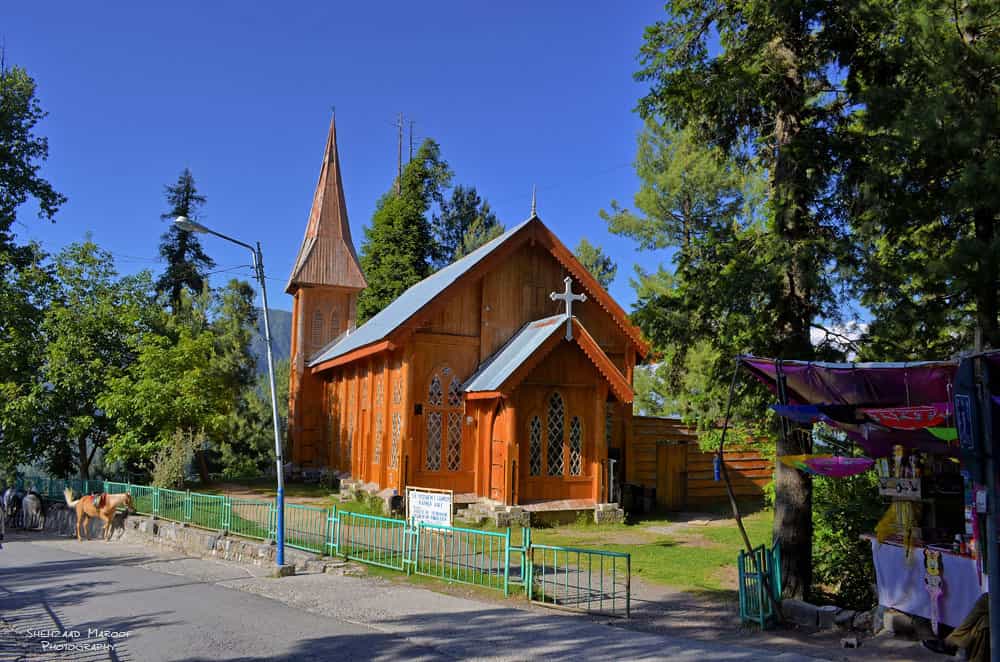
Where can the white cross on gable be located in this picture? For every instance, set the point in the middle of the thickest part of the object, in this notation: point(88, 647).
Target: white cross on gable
point(568, 297)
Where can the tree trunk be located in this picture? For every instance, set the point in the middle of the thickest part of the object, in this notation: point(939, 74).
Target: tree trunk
point(793, 529)
point(202, 466)
point(986, 290)
point(84, 459)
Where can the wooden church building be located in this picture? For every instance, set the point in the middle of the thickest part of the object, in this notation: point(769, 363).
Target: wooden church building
point(507, 374)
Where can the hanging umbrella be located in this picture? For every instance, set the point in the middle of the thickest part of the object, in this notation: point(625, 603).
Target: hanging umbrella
point(833, 466)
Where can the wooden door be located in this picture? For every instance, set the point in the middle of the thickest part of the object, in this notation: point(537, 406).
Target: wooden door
point(498, 465)
point(447, 445)
point(557, 448)
point(671, 476)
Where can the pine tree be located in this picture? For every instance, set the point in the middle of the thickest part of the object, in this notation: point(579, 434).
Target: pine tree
point(465, 219)
point(596, 262)
point(753, 79)
point(187, 262)
point(481, 231)
point(399, 248)
point(923, 184)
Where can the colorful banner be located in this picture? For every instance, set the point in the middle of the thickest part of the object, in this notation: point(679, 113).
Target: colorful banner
point(910, 418)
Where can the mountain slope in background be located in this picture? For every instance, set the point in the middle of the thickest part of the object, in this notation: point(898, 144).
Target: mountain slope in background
point(281, 337)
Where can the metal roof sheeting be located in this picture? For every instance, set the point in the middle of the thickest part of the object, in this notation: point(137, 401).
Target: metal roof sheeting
point(410, 301)
point(499, 367)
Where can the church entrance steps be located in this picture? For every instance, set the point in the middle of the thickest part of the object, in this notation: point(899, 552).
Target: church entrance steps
point(568, 511)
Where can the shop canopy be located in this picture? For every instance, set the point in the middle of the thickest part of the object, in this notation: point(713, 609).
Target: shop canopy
point(842, 391)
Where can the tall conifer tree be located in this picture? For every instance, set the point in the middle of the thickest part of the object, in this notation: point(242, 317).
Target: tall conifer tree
point(752, 79)
point(399, 247)
point(187, 262)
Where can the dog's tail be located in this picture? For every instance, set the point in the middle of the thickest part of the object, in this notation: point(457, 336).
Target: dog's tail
point(68, 493)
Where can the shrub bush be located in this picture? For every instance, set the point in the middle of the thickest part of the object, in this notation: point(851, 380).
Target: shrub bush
point(843, 510)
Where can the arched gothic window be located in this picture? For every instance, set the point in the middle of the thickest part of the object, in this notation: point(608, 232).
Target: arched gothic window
point(444, 417)
point(317, 329)
point(556, 437)
point(535, 446)
point(334, 322)
point(575, 447)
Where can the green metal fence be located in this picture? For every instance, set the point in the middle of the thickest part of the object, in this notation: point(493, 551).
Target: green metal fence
point(467, 556)
point(591, 580)
point(588, 580)
point(305, 527)
point(381, 541)
point(758, 572)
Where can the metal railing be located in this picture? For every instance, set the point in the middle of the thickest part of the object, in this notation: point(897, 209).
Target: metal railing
point(590, 580)
point(467, 556)
point(583, 579)
point(755, 604)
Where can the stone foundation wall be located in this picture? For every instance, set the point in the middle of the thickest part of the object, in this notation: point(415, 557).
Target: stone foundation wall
point(180, 537)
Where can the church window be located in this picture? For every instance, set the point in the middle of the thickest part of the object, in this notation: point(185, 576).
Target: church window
point(434, 393)
point(364, 389)
point(379, 413)
point(397, 390)
point(317, 329)
point(556, 437)
point(334, 322)
point(433, 441)
point(397, 425)
point(535, 446)
point(454, 441)
point(575, 447)
point(444, 422)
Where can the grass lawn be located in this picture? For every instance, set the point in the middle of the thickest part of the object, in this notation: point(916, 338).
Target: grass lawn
point(262, 488)
point(699, 558)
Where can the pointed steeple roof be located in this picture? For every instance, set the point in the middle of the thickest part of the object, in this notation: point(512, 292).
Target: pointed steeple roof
point(327, 255)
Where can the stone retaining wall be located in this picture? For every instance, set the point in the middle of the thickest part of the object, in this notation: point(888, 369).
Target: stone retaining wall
point(144, 529)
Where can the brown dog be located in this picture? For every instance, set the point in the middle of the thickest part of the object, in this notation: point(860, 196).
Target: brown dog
point(85, 509)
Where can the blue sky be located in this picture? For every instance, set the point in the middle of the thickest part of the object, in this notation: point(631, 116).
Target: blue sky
point(516, 93)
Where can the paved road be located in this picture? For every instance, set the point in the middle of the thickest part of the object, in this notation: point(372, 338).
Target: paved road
point(169, 607)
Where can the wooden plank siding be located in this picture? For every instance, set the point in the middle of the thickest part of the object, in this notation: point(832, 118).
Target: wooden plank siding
point(749, 470)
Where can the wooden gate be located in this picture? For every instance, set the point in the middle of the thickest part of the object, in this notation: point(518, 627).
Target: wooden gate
point(671, 476)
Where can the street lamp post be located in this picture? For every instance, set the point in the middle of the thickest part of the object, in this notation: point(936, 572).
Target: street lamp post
point(185, 223)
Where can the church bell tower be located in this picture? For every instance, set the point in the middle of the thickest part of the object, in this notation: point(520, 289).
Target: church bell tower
point(324, 283)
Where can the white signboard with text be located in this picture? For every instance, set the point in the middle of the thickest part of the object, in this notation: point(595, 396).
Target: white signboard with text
point(429, 506)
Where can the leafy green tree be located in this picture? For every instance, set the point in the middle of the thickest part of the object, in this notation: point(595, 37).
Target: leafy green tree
point(24, 278)
point(188, 376)
point(463, 212)
point(86, 329)
point(596, 262)
point(21, 157)
point(923, 185)
point(25, 291)
point(399, 247)
point(752, 79)
point(187, 262)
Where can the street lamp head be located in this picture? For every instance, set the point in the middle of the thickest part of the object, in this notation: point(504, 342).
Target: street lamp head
point(186, 224)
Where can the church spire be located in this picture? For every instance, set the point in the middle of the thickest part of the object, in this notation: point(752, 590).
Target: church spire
point(327, 256)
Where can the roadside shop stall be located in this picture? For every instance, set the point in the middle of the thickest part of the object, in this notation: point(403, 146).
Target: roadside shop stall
point(916, 425)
